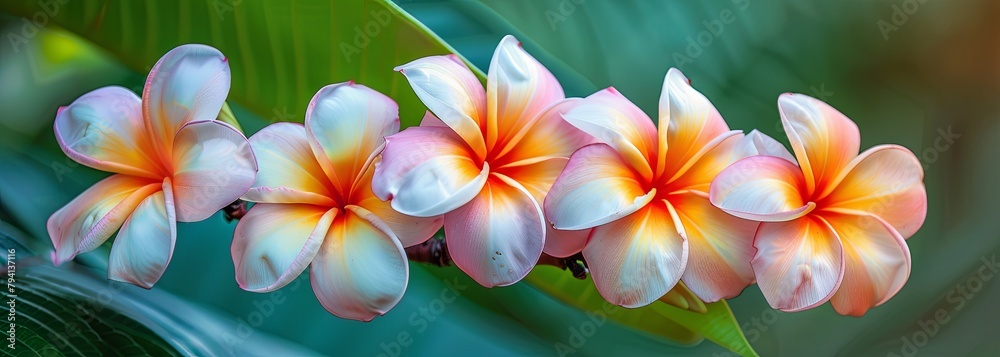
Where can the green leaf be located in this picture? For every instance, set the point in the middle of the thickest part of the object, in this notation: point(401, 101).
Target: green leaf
point(280, 53)
point(717, 324)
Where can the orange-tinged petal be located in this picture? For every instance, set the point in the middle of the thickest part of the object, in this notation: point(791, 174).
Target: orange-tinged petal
point(188, 83)
point(449, 89)
point(614, 120)
point(409, 230)
point(274, 243)
point(144, 245)
point(761, 188)
point(427, 171)
point(688, 122)
point(289, 172)
point(799, 264)
point(549, 136)
point(347, 124)
point(823, 139)
point(103, 129)
point(360, 271)
point(596, 187)
point(636, 260)
point(876, 259)
point(213, 166)
point(886, 181)
point(721, 247)
point(498, 236)
point(518, 90)
point(89, 219)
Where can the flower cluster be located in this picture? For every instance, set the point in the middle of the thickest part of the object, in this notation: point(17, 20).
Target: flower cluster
point(510, 170)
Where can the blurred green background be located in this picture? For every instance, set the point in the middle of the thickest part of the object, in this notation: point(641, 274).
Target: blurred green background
point(907, 72)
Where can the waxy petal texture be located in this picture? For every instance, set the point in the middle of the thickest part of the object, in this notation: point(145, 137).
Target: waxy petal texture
point(360, 271)
point(145, 243)
point(688, 122)
point(823, 139)
point(104, 130)
point(498, 236)
point(90, 218)
point(614, 120)
point(427, 171)
point(799, 264)
point(637, 259)
point(347, 124)
point(214, 166)
point(595, 188)
point(876, 259)
point(518, 90)
point(449, 89)
point(274, 243)
point(761, 188)
point(886, 181)
point(188, 83)
point(289, 172)
point(409, 230)
point(721, 247)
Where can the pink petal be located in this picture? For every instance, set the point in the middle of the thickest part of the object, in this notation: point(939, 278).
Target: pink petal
point(409, 230)
point(145, 243)
point(288, 170)
point(761, 188)
point(561, 244)
point(274, 243)
point(799, 264)
point(876, 259)
point(757, 143)
point(614, 120)
point(498, 236)
point(721, 247)
point(449, 89)
point(885, 181)
point(361, 270)
point(596, 187)
point(213, 166)
point(518, 90)
point(688, 122)
point(86, 222)
point(549, 136)
point(103, 129)
point(430, 119)
point(188, 83)
point(347, 124)
point(636, 260)
point(427, 171)
point(824, 140)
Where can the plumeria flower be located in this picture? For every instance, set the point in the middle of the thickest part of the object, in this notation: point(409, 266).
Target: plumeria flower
point(316, 207)
point(487, 163)
point(645, 194)
point(835, 223)
point(172, 162)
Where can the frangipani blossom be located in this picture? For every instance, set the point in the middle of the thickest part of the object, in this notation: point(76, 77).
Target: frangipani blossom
point(645, 194)
point(487, 163)
point(172, 162)
point(834, 224)
point(316, 207)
